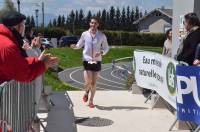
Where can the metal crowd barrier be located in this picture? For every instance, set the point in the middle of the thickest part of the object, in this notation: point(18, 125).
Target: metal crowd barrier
point(17, 106)
point(123, 69)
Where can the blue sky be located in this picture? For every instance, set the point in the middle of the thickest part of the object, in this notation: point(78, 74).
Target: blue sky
point(63, 7)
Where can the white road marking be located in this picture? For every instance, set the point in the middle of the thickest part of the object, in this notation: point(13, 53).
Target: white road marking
point(79, 81)
point(112, 74)
point(108, 79)
point(97, 82)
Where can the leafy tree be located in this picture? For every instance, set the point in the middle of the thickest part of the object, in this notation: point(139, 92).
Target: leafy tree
point(32, 23)
point(8, 6)
point(28, 20)
point(118, 18)
point(54, 23)
point(71, 21)
point(89, 16)
point(141, 14)
point(137, 13)
point(123, 19)
point(107, 26)
point(103, 19)
point(63, 21)
point(76, 20)
point(50, 25)
point(81, 19)
point(59, 21)
point(128, 21)
point(112, 18)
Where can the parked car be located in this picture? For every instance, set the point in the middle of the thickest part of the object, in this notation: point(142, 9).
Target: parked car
point(67, 40)
point(46, 43)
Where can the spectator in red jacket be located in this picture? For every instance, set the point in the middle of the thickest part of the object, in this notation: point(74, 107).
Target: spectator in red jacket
point(13, 61)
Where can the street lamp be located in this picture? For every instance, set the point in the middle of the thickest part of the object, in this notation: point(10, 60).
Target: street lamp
point(18, 3)
point(36, 14)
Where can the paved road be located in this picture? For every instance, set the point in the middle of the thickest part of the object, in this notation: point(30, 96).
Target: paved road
point(108, 79)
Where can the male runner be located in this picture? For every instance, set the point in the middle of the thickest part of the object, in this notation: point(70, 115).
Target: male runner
point(95, 46)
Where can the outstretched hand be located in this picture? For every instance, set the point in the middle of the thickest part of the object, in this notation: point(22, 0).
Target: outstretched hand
point(73, 46)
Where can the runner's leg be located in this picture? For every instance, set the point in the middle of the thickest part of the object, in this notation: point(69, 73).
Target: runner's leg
point(93, 85)
point(87, 81)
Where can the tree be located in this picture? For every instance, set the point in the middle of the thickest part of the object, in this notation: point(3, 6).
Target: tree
point(103, 19)
point(123, 19)
point(59, 21)
point(8, 6)
point(132, 18)
point(137, 13)
point(50, 24)
point(128, 21)
point(112, 18)
point(54, 22)
point(76, 20)
point(28, 20)
point(118, 18)
point(32, 23)
point(89, 16)
point(98, 15)
point(81, 19)
point(141, 14)
point(107, 20)
point(63, 21)
point(71, 20)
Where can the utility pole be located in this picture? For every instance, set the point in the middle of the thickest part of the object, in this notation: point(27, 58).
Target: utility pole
point(36, 15)
point(43, 14)
point(18, 3)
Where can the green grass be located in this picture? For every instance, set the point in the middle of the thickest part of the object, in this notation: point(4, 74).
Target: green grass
point(51, 78)
point(73, 58)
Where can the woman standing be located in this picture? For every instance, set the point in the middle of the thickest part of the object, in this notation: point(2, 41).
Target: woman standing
point(167, 49)
point(95, 46)
point(187, 49)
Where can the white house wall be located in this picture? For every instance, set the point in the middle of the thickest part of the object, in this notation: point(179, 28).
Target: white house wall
point(149, 23)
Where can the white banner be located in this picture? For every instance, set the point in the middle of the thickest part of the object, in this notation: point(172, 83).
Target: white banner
point(156, 72)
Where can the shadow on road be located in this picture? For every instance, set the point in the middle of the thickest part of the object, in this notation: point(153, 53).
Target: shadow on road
point(93, 122)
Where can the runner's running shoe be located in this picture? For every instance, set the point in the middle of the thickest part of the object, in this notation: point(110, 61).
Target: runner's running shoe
point(85, 98)
point(91, 105)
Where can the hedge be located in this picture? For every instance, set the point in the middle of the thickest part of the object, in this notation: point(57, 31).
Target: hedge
point(133, 38)
point(52, 32)
point(118, 38)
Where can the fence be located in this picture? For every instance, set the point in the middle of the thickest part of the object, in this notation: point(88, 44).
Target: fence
point(17, 106)
point(122, 67)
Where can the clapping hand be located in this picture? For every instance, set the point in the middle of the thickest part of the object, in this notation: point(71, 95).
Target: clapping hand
point(36, 42)
point(26, 46)
point(98, 54)
point(49, 60)
point(196, 62)
point(73, 46)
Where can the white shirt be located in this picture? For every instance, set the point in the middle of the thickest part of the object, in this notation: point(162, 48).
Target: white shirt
point(92, 44)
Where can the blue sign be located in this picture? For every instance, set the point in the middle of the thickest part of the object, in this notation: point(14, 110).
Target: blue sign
point(188, 91)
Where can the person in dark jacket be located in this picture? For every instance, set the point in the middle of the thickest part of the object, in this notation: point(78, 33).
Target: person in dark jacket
point(187, 49)
point(14, 65)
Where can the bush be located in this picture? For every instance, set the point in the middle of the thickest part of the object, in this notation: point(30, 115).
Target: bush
point(130, 81)
point(132, 38)
point(53, 32)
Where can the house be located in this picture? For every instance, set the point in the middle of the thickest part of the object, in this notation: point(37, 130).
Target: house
point(157, 21)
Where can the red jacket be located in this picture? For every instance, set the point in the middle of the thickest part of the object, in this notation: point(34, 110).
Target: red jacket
point(13, 66)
